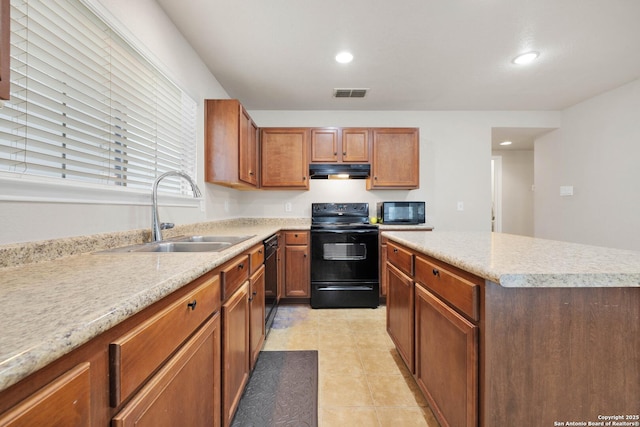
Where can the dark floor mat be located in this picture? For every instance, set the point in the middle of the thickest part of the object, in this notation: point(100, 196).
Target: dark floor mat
point(282, 391)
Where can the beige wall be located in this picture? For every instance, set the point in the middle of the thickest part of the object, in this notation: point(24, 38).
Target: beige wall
point(597, 151)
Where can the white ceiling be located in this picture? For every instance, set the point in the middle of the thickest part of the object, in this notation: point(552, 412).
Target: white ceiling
point(413, 54)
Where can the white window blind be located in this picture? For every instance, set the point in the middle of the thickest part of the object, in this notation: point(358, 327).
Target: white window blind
point(87, 107)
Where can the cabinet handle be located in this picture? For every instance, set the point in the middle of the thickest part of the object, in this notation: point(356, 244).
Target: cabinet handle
point(259, 251)
point(436, 272)
point(344, 153)
point(305, 255)
point(240, 266)
point(395, 250)
point(250, 172)
point(335, 153)
point(304, 178)
point(192, 305)
point(375, 178)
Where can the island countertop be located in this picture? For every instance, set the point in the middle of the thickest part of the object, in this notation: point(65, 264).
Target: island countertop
point(526, 262)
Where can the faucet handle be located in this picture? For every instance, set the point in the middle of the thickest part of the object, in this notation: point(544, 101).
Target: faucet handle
point(166, 225)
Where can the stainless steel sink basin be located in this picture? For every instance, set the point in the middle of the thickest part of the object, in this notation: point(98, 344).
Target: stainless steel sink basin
point(215, 239)
point(183, 247)
point(185, 244)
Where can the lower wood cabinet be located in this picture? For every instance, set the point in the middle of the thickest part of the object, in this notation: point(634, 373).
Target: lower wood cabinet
point(160, 366)
point(432, 315)
point(297, 264)
point(257, 315)
point(184, 391)
point(66, 401)
point(383, 266)
point(400, 313)
point(446, 361)
point(235, 351)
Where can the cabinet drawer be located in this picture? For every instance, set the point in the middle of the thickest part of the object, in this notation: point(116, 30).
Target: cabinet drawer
point(296, 238)
point(401, 258)
point(234, 275)
point(460, 293)
point(137, 354)
point(256, 258)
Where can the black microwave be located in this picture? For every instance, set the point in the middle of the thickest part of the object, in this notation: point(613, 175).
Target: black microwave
point(401, 212)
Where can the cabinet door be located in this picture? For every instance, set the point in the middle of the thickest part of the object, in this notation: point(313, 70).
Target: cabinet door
point(297, 278)
point(355, 145)
point(5, 49)
point(446, 361)
point(324, 145)
point(235, 350)
point(285, 160)
point(230, 145)
point(135, 355)
point(400, 313)
point(280, 256)
point(396, 159)
point(257, 314)
point(383, 265)
point(64, 402)
point(184, 391)
point(248, 157)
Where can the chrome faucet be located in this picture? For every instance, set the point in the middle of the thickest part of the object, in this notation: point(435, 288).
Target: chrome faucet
point(156, 225)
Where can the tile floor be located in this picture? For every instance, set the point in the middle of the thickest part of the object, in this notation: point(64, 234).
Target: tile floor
point(362, 380)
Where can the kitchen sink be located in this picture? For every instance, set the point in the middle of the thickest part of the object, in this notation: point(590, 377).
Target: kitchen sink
point(182, 247)
point(211, 239)
point(184, 244)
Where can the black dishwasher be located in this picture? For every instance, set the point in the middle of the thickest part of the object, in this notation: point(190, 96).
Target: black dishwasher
point(271, 280)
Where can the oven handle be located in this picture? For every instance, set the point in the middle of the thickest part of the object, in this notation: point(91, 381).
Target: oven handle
point(345, 288)
point(325, 231)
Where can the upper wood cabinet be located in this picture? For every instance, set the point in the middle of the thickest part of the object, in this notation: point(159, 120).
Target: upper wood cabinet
point(340, 145)
point(5, 49)
point(285, 158)
point(396, 161)
point(231, 145)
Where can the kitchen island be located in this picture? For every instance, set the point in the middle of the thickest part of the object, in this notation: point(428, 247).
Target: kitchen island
point(504, 330)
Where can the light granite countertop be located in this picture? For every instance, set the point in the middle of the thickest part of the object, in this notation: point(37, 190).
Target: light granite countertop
point(51, 307)
point(57, 295)
point(519, 261)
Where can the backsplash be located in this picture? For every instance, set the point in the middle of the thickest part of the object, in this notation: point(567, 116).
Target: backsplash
point(15, 255)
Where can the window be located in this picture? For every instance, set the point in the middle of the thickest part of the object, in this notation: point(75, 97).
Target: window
point(87, 107)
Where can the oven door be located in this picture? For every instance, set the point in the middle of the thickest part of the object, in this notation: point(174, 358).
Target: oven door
point(344, 255)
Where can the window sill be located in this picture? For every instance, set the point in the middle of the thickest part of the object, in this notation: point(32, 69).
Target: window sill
point(41, 190)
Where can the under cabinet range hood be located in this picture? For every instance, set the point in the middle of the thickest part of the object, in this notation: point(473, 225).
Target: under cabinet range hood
point(339, 171)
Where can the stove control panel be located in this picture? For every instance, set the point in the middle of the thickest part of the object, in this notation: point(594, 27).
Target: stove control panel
point(339, 209)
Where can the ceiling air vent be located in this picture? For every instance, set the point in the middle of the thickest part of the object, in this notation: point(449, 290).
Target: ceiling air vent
point(349, 93)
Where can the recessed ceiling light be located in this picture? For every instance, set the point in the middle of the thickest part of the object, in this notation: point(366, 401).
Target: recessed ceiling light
point(344, 57)
point(525, 58)
point(506, 143)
